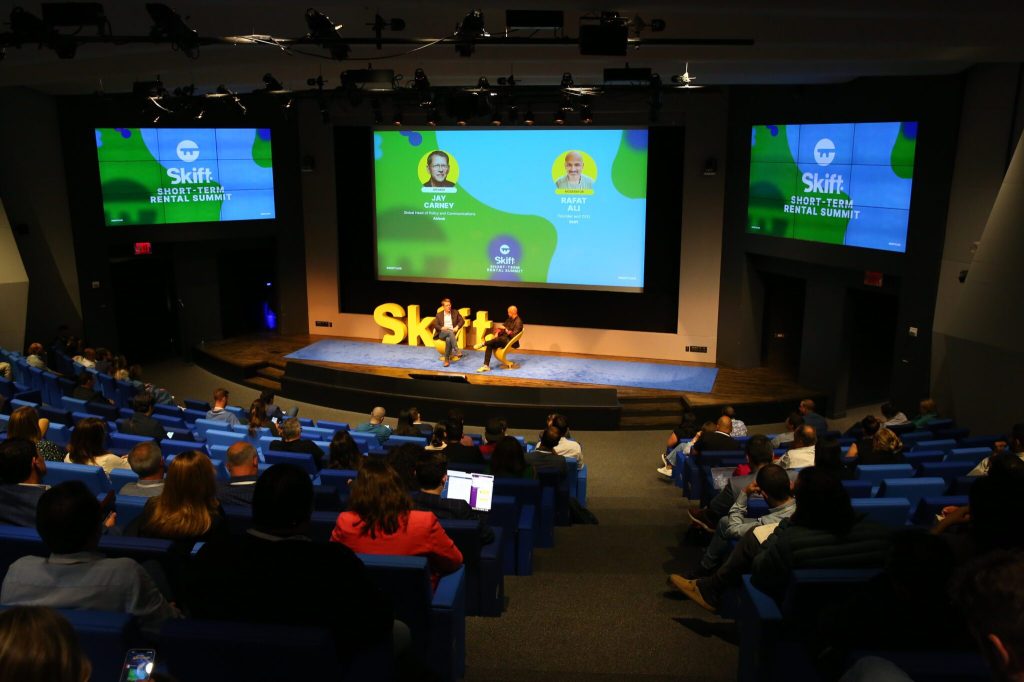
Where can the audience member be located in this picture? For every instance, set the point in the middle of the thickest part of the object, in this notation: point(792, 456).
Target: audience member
point(406, 425)
point(147, 461)
point(893, 417)
point(243, 465)
point(218, 412)
point(273, 411)
point(187, 510)
point(886, 448)
point(376, 425)
point(793, 422)
point(456, 452)
point(87, 359)
point(802, 453)
point(84, 389)
point(494, 431)
point(36, 356)
point(381, 520)
point(565, 447)
point(344, 453)
point(25, 423)
point(1015, 445)
point(509, 461)
point(21, 474)
point(717, 440)
point(990, 594)
point(103, 363)
point(772, 483)
point(229, 579)
point(864, 431)
point(258, 419)
point(680, 441)
point(739, 428)
point(88, 446)
point(759, 454)
point(141, 423)
point(431, 477)
point(75, 575)
point(438, 438)
point(823, 532)
point(456, 415)
point(37, 643)
point(292, 441)
point(543, 458)
point(812, 418)
point(927, 411)
point(828, 456)
point(403, 460)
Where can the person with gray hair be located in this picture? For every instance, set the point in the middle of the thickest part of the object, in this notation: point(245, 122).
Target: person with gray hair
point(243, 465)
point(147, 461)
point(292, 441)
point(376, 425)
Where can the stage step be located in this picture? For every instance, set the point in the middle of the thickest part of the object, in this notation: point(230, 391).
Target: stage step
point(647, 422)
point(277, 362)
point(272, 373)
point(260, 383)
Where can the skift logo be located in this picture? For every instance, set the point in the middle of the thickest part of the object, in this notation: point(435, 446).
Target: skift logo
point(824, 151)
point(823, 183)
point(188, 151)
point(504, 249)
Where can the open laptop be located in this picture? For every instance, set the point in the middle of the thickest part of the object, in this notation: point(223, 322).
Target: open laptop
point(476, 489)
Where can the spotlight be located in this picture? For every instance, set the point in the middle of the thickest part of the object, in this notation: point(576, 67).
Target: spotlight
point(397, 118)
point(468, 32)
point(421, 84)
point(325, 33)
point(513, 114)
point(560, 116)
point(496, 118)
point(586, 115)
point(380, 23)
point(29, 28)
point(528, 118)
point(168, 24)
point(433, 117)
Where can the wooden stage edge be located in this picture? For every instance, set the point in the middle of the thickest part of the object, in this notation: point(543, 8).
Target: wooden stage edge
point(760, 395)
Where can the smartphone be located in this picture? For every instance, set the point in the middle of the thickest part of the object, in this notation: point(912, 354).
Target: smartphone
point(138, 665)
point(170, 435)
point(273, 419)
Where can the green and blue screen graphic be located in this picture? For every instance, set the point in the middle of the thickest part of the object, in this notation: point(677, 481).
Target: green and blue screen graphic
point(836, 183)
point(152, 176)
point(553, 208)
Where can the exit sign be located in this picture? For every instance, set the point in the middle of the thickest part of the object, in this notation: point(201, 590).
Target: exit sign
point(143, 248)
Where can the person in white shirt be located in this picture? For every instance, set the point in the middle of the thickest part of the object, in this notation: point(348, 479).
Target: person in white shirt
point(893, 417)
point(802, 453)
point(739, 428)
point(565, 446)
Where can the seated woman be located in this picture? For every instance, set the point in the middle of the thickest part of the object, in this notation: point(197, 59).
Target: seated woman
point(88, 446)
point(886, 448)
point(344, 453)
point(25, 423)
point(407, 424)
point(187, 511)
point(439, 439)
point(381, 520)
point(258, 419)
point(509, 461)
point(828, 456)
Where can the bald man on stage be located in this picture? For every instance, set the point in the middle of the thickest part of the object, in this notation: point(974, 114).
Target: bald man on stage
point(508, 329)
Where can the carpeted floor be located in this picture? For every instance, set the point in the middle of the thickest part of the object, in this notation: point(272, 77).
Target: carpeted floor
point(597, 607)
point(550, 367)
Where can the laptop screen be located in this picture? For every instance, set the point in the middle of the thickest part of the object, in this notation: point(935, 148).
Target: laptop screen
point(476, 489)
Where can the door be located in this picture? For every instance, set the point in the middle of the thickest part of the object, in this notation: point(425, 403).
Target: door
point(145, 308)
point(783, 322)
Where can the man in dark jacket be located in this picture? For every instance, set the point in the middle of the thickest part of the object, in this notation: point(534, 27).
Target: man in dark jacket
point(85, 391)
point(243, 464)
point(455, 451)
point(141, 423)
point(22, 470)
point(446, 328)
point(719, 439)
point(292, 441)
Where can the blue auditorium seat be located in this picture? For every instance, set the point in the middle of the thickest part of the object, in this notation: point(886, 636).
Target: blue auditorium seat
point(858, 489)
point(127, 440)
point(333, 427)
point(972, 455)
point(876, 472)
point(485, 584)
point(913, 489)
point(128, 507)
point(303, 460)
point(947, 470)
point(891, 511)
point(945, 445)
point(59, 434)
point(93, 476)
point(199, 405)
point(120, 477)
point(176, 447)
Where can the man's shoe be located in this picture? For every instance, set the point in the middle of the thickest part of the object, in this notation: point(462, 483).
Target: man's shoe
point(456, 358)
point(446, 363)
point(700, 518)
point(664, 461)
point(691, 588)
point(665, 471)
point(484, 368)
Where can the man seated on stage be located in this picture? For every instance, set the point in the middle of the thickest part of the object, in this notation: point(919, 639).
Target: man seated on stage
point(509, 328)
point(446, 328)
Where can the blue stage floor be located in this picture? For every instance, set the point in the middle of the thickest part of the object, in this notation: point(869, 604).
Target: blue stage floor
point(544, 367)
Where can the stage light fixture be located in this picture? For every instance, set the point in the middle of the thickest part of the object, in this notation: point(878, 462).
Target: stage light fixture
point(586, 115)
point(76, 14)
point(168, 24)
point(325, 33)
point(26, 27)
point(272, 86)
point(513, 114)
point(528, 118)
point(560, 116)
point(606, 35)
point(396, 119)
point(468, 32)
point(638, 25)
point(433, 117)
point(379, 24)
point(496, 118)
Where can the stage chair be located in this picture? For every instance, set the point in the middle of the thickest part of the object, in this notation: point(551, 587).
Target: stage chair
point(502, 353)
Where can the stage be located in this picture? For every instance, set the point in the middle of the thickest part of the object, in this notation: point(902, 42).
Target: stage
point(605, 393)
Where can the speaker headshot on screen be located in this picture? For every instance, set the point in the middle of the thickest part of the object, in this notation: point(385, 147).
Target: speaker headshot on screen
point(438, 165)
point(574, 178)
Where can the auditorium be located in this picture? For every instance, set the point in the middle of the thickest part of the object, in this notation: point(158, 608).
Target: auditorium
point(423, 342)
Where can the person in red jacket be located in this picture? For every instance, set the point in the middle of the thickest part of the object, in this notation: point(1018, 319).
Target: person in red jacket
point(380, 520)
